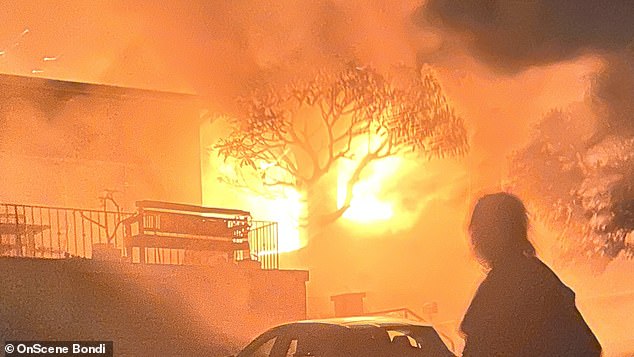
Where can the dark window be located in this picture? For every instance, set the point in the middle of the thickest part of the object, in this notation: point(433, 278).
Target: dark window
point(292, 349)
point(265, 349)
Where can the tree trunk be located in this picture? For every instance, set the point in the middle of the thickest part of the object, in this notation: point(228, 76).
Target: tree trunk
point(320, 200)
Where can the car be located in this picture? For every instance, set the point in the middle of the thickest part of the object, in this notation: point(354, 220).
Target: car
point(345, 337)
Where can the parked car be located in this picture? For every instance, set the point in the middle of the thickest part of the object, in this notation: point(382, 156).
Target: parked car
point(345, 337)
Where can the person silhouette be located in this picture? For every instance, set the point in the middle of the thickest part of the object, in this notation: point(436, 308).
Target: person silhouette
point(521, 308)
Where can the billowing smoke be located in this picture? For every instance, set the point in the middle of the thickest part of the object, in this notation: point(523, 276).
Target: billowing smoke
point(220, 50)
point(215, 48)
point(613, 95)
point(589, 154)
point(514, 35)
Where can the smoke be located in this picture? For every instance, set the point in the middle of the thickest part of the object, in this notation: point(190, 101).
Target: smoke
point(241, 43)
point(513, 35)
point(63, 143)
point(613, 95)
point(214, 48)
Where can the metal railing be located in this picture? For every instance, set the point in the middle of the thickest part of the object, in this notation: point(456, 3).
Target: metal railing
point(58, 232)
point(263, 243)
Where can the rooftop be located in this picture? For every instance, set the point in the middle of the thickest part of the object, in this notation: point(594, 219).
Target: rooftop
point(32, 84)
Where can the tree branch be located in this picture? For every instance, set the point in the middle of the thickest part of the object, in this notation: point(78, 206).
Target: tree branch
point(355, 104)
point(354, 179)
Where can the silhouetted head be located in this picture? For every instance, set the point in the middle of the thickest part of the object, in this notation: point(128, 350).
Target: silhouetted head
point(499, 229)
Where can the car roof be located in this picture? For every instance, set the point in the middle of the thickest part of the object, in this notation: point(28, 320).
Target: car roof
point(349, 326)
point(360, 321)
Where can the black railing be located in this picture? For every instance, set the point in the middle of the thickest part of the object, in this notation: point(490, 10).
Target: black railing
point(58, 232)
point(263, 242)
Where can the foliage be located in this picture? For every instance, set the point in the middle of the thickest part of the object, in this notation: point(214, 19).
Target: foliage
point(581, 184)
point(294, 136)
point(578, 170)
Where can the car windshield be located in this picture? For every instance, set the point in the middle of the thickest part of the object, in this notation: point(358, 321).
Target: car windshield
point(330, 342)
point(337, 341)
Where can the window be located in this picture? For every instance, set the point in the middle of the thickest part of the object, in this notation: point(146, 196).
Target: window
point(264, 349)
point(292, 349)
point(395, 333)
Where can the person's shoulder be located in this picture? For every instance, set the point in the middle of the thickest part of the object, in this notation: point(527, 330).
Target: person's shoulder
point(550, 279)
point(542, 269)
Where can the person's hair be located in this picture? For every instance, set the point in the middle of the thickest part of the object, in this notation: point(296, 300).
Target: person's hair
point(499, 229)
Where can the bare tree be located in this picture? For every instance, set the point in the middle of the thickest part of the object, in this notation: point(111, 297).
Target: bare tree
point(295, 136)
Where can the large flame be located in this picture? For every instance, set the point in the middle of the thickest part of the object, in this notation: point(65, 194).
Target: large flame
point(285, 209)
point(283, 206)
point(368, 204)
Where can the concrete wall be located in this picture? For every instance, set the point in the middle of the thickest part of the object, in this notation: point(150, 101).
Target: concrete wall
point(146, 309)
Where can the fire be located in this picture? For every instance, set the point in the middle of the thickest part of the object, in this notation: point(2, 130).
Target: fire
point(283, 205)
point(285, 209)
point(367, 203)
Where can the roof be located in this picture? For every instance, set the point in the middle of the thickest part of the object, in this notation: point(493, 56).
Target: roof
point(81, 88)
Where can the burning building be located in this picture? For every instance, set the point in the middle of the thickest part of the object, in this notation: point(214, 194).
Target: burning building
point(77, 159)
point(68, 144)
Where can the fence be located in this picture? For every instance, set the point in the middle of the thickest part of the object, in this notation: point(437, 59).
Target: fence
point(58, 232)
point(263, 241)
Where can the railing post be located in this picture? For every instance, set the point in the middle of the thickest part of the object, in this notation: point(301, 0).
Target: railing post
point(141, 233)
point(277, 246)
point(18, 235)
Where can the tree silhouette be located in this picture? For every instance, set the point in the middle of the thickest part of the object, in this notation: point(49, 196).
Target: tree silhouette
point(578, 170)
point(295, 136)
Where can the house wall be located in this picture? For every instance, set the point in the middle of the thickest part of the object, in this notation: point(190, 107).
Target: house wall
point(64, 143)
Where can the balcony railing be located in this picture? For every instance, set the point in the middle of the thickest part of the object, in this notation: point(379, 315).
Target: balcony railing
point(58, 233)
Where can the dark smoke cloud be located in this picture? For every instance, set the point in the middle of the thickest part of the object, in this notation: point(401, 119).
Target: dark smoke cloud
point(513, 35)
point(613, 95)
